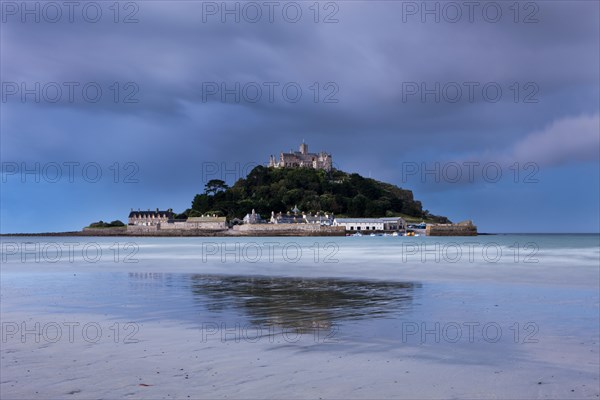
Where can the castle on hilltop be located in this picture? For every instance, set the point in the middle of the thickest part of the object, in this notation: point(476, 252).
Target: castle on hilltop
point(302, 159)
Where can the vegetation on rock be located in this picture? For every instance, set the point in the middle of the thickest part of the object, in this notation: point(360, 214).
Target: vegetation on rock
point(280, 189)
point(102, 224)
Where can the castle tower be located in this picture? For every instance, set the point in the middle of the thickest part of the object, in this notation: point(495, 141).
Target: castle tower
point(304, 148)
point(302, 159)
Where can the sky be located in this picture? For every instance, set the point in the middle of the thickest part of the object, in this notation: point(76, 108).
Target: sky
point(488, 111)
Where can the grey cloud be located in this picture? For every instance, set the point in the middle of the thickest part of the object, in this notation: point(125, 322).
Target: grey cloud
point(569, 140)
point(368, 54)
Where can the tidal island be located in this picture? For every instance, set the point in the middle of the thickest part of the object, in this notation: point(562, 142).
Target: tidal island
point(298, 193)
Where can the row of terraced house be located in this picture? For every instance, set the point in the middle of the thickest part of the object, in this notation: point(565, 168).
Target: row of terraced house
point(165, 220)
point(148, 221)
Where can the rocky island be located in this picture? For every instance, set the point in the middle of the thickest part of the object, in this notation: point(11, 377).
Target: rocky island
point(297, 194)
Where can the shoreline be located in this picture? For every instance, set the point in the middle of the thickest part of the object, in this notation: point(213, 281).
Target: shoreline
point(229, 233)
point(236, 234)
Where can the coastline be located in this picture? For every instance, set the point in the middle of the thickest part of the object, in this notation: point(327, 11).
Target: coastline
point(227, 233)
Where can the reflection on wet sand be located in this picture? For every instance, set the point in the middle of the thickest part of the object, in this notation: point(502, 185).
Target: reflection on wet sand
point(302, 304)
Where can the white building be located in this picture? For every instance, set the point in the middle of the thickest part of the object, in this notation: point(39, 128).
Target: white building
point(253, 218)
point(326, 219)
point(393, 223)
point(371, 224)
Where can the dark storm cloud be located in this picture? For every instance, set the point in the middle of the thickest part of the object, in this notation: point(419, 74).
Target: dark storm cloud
point(370, 56)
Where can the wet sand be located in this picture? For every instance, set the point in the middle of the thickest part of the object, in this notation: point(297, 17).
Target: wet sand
point(172, 326)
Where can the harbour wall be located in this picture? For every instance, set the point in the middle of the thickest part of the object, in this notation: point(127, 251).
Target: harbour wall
point(288, 230)
point(461, 229)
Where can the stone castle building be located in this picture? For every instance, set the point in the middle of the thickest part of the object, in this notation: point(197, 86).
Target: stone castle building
point(302, 159)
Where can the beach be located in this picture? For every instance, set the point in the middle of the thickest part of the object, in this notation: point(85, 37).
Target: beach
point(504, 316)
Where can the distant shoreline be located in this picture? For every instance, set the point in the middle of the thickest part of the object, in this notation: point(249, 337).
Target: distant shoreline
point(220, 234)
point(229, 233)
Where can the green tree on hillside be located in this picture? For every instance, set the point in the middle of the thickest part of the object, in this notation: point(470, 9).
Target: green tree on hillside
point(215, 186)
point(279, 189)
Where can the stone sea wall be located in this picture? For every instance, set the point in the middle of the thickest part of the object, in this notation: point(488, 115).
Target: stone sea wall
point(289, 230)
point(461, 229)
point(117, 230)
point(193, 226)
point(217, 230)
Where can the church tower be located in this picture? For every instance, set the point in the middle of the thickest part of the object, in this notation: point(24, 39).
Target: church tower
point(303, 148)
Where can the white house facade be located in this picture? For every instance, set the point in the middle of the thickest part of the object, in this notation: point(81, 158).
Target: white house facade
point(371, 224)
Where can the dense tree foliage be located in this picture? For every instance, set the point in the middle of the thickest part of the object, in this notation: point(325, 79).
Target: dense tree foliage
point(269, 189)
point(215, 186)
point(102, 224)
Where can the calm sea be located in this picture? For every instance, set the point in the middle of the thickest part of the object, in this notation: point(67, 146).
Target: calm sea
point(503, 316)
point(368, 292)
